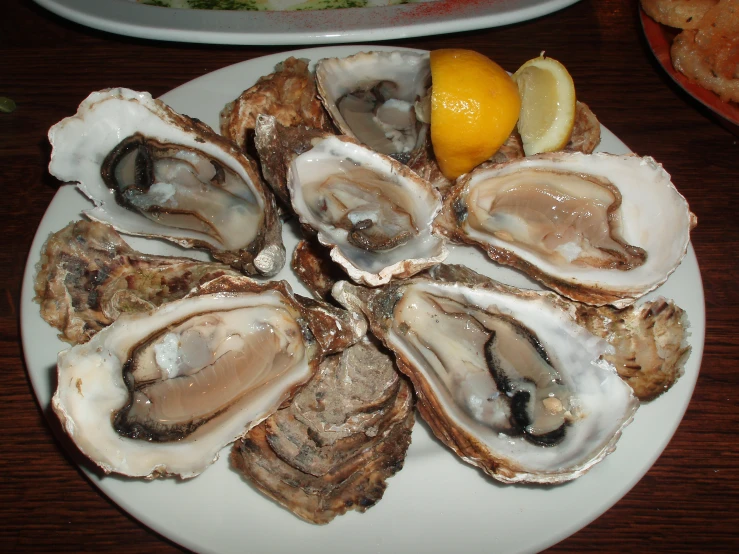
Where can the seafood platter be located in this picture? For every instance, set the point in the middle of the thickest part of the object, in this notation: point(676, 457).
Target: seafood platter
point(298, 322)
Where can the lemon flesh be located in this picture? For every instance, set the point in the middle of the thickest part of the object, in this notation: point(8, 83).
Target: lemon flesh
point(547, 105)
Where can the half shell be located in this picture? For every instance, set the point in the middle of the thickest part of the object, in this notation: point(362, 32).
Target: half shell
point(598, 228)
point(153, 172)
point(373, 212)
point(160, 393)
point(504, 377)
point(371, 96)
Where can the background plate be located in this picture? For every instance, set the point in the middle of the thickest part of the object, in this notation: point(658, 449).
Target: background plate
point(437, 503)
point(299, 27)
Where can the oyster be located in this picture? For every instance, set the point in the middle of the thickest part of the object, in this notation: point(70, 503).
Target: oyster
point(598, 228)
point(289, 94)
point(505, 377)
point(650, 343)
point(153, 172)
point(314, 268)
point(373, 212)
point(160, 393)
point(342, 436)
point(88, 276)
point(585, 136)
point(371, 96)
point(382, 100)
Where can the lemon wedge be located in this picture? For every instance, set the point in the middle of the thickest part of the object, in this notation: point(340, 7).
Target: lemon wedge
point(474, 108)
point(547, 105)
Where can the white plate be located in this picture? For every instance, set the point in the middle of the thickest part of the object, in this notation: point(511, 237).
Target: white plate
point(436, 503)
point(126, 17)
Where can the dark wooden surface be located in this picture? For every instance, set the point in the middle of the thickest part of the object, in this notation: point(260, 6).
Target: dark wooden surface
point(688, 502)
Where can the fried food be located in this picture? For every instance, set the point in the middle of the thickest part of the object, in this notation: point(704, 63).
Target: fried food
point(710, 54)
point(683, 14)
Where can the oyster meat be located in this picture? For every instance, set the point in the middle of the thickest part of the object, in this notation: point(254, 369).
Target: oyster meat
point(88, 276)
point(160, 393)
point(153, 172)
point(342, 436)
point(505, 377)
point(373, 212)
point(598, 228)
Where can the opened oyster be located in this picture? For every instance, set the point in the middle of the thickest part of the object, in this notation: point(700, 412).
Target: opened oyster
point(153, 172)
point(371, 97)
point(599, 228)
point(373, 212)
point(504, 377)
point(382, 100)
point(160, 393)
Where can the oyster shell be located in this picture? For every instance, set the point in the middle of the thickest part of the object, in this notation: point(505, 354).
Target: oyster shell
point(598, 228)
point(585, 136)
point(373, 212)
point(153, 172)
point(504, 377)
point(160, 393)
point(382, 100)
point(88, 276)
point(289, 94)
point(371, 96)
point(650, 343)
point(314, 268)
point(342, 436)
point(278, 145)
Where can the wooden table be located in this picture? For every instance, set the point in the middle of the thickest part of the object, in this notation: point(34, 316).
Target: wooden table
point(689, 500)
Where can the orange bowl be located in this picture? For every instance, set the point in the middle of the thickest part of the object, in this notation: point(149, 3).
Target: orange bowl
point(659, 37)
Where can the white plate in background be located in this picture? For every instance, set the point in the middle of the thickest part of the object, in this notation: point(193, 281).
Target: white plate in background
point(437, 503)
point(333, 26)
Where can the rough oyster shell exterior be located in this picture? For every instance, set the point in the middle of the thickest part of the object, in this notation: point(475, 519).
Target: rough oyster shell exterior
point(289, 94)
point(332, 449)
point(88, 276)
